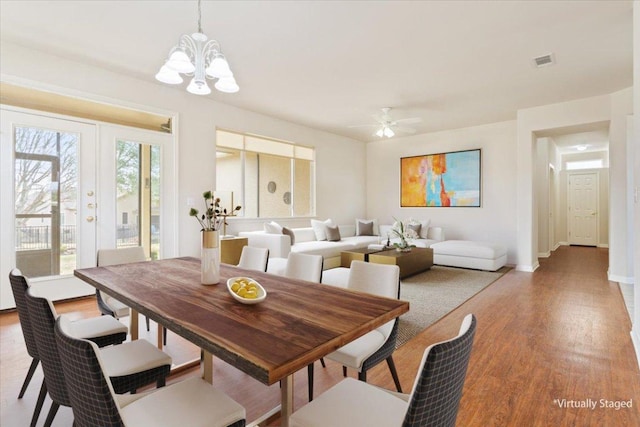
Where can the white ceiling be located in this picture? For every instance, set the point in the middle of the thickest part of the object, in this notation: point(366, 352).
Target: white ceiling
point(331, 64)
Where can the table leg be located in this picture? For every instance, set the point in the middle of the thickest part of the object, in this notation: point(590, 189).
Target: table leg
point(133, 327)
point(286, 393)
point(160, 333)
point(207, 366)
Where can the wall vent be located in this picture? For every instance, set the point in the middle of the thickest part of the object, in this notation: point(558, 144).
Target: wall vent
point(544, 60)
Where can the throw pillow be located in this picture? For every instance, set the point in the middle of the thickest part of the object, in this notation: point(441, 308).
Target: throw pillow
point(289, 232)
point(415, 227)
point(376, 230)
point(364, 228)
point(333, 233)
point(272, 227)
point(424, 228)
point(319, 228)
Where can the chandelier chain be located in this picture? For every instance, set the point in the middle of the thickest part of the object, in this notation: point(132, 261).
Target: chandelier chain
point(199, 17)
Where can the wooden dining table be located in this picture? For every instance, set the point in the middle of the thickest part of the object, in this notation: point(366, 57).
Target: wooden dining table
point(298, 323)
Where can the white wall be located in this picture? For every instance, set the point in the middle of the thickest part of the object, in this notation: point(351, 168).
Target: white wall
point(340, 160)
point(494, 221)
point(636, 173)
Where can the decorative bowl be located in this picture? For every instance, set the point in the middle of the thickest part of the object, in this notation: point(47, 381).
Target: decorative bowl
point(262, 293)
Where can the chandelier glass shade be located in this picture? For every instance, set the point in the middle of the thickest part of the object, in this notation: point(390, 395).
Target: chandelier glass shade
point(200, 58)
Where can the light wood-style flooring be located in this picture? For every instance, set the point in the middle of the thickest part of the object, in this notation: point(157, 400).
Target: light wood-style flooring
point(561, 334)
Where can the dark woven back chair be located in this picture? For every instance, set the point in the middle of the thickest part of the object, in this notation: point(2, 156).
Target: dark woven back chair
point(438, 389)
point(93, 403)
point(89, 392)
point(43, 321)
point(19, 287)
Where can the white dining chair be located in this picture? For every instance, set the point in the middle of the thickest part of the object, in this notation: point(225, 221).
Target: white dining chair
point(109, 305)
point(191, 402)
point(253, 258)
point(304, 267)
point(434, 399)
point(379, 344)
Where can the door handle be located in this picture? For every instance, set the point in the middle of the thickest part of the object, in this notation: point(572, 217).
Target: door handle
point(594, 213)
point(90, 219)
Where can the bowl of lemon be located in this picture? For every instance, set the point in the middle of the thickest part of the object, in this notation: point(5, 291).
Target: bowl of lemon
point(246, 290)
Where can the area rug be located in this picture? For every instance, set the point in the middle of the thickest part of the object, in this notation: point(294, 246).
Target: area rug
point(436, 292)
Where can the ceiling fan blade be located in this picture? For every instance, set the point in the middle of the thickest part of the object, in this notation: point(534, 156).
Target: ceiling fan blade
point(410, 120)
point(364, 126)
point(403, 129)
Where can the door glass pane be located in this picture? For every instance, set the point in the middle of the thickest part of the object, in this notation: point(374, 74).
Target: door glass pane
point(46, 174)
point(127, 194)
point(138, 196)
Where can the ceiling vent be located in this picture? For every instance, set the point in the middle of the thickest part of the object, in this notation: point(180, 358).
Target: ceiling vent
point(544, 60)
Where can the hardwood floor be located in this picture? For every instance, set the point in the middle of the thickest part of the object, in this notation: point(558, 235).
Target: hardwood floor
point(561, 334)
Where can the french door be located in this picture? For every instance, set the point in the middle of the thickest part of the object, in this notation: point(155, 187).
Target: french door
point(78, 187)
point(48, 170)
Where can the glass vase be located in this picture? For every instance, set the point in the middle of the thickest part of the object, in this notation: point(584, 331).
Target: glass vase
point(210, 258)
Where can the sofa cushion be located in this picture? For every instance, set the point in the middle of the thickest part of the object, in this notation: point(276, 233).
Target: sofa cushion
point(333, 233)
point(273, 227)
point(415, 227)
point(319, 228)
point(323, 247)
point(304, 234)
point(468, 248)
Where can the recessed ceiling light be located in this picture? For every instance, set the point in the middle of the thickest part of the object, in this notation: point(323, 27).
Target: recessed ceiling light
point(581, 147)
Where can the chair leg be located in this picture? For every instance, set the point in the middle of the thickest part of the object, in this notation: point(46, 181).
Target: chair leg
point(52, 414)
point(27, 380)
point(310, 380)
point(147, 320)
point(344, 371)
point(322, 362)
point(394, 373)
point(164, 334)
point(161, 382)
point(39, 403)
point(362, 376)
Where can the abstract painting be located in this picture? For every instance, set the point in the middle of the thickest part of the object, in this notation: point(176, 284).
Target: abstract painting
point(441, 180)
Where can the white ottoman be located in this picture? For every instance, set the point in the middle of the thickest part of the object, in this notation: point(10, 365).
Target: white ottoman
point(469, 254)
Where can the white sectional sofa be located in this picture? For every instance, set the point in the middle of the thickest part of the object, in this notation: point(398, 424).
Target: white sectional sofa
point(488, 256)
point(279, 245)
point(305, 241)
point(428, 238)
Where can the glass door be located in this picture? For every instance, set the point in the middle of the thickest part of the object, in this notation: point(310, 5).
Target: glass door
point(48, 170)
point(137, 191)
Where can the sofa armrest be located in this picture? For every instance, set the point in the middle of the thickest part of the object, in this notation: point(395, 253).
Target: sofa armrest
point(279, 245)
point(435, 233)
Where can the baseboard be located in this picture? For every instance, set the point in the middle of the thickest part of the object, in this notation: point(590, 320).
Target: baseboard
point(603, 245)
point(544, 254)
point(527, 268)
point(562, 244)
point(556, 246)
point(620, 279)
point(635, 338)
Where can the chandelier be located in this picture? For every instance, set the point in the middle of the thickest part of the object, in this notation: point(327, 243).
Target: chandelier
point(201, 58)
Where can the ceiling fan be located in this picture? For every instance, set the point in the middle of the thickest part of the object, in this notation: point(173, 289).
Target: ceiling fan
point(388, 126)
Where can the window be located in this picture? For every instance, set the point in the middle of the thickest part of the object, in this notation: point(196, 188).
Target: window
point(585, 164)
point(268, 178)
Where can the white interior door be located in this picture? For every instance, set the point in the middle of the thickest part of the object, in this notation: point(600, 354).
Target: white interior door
point(48, 170)
point(583, 208)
